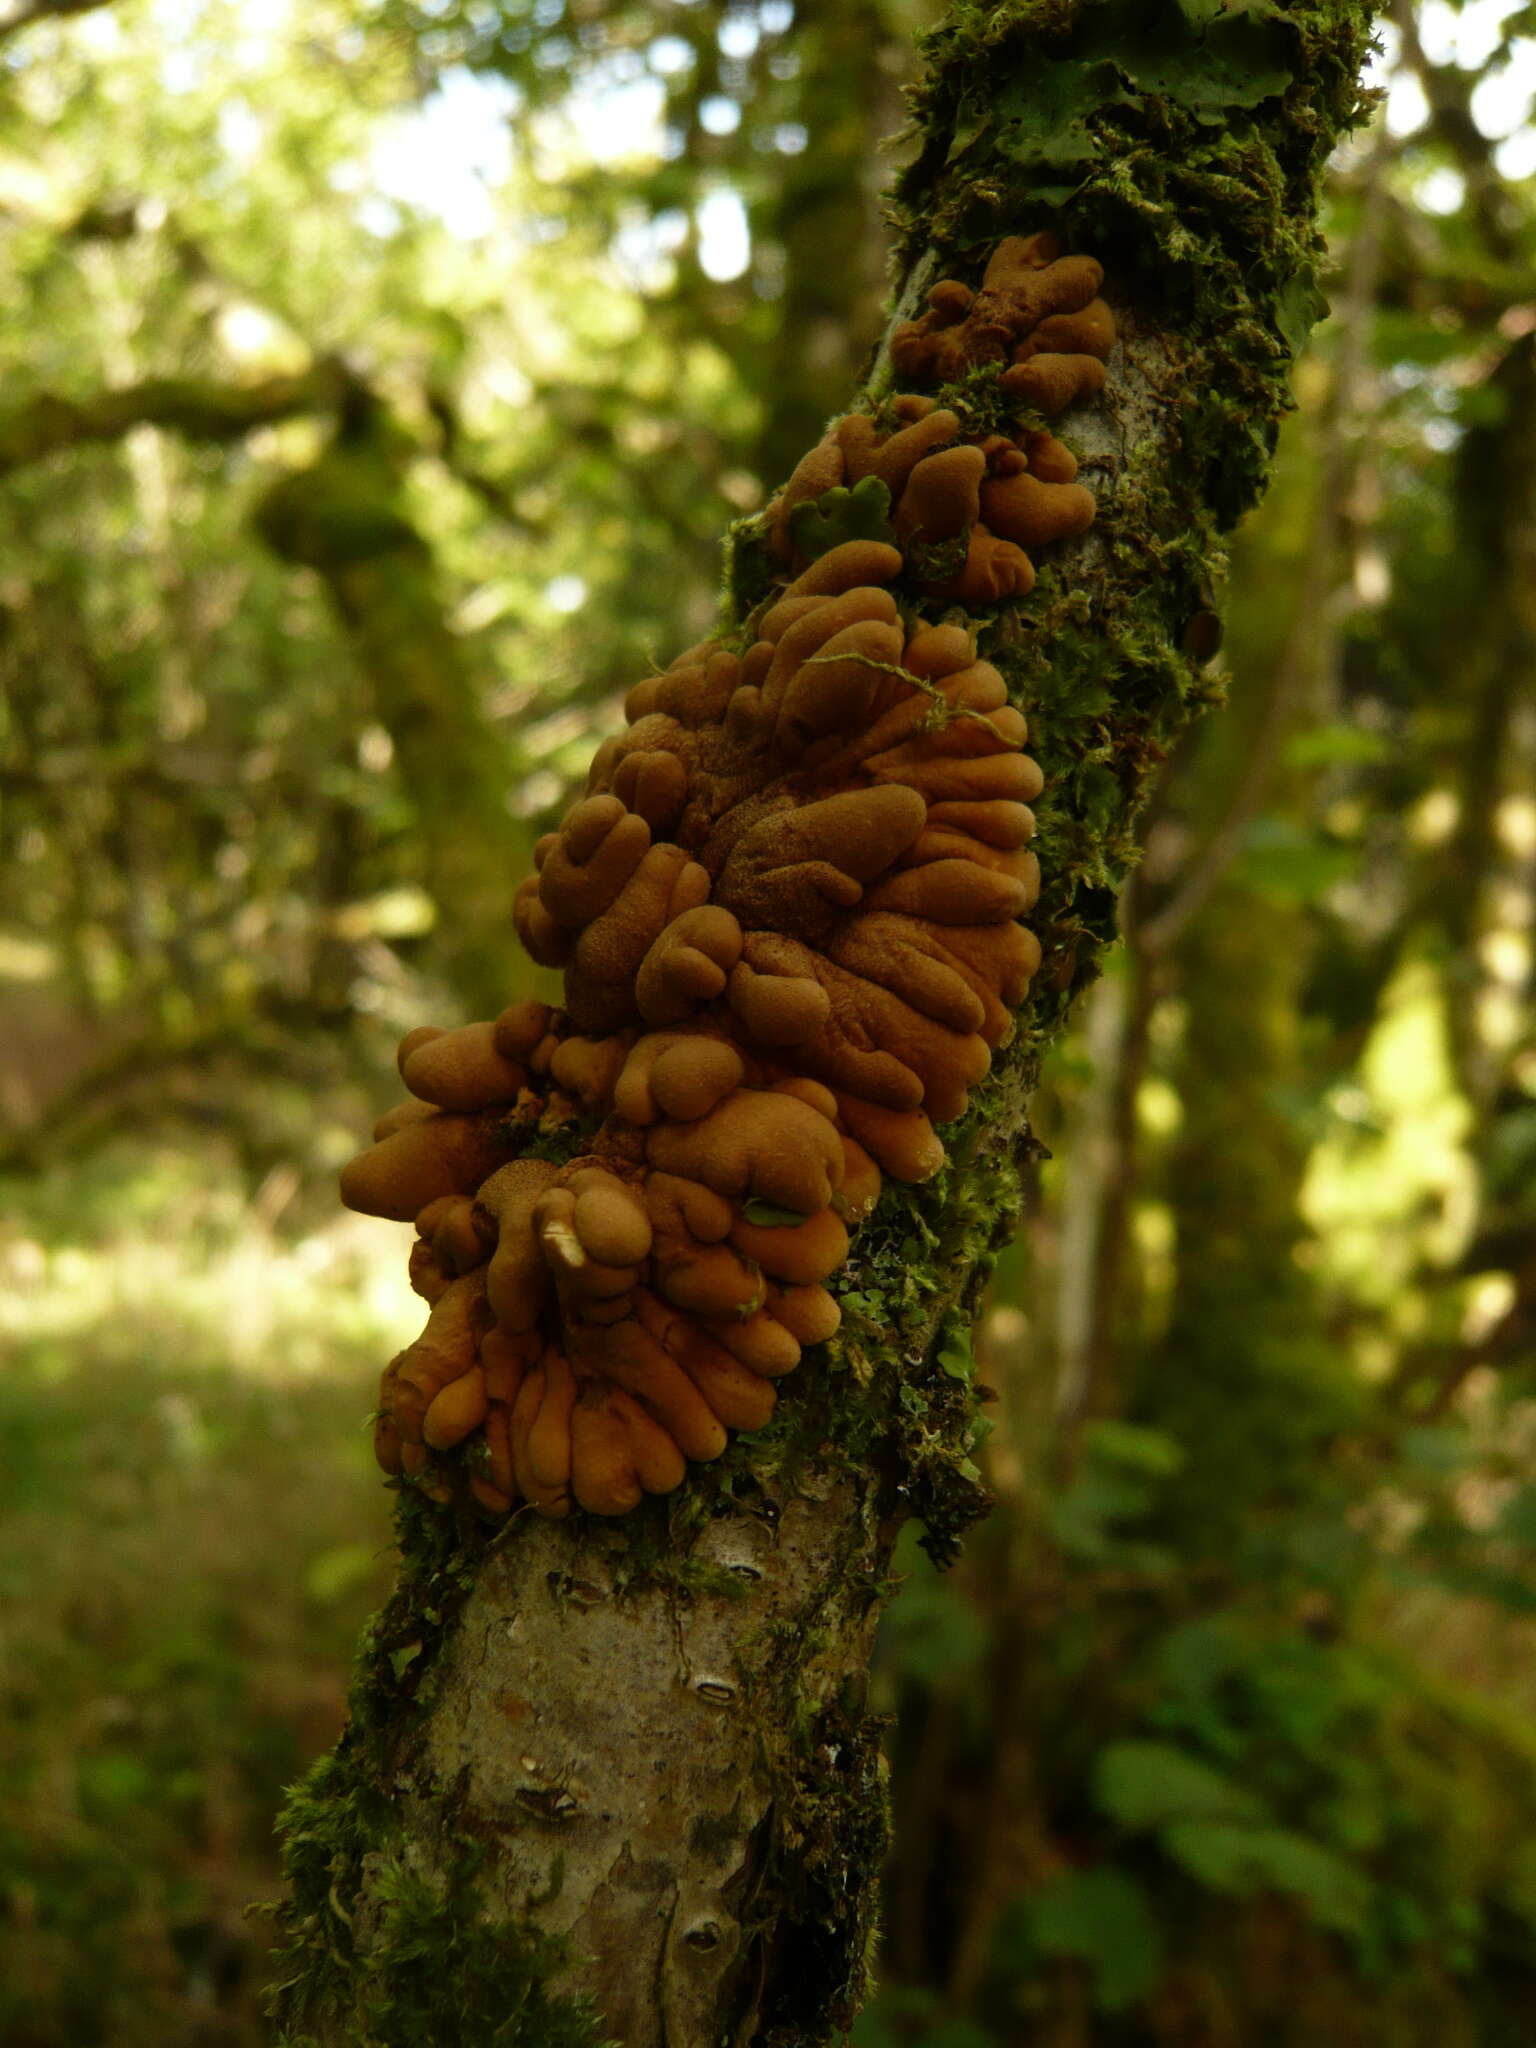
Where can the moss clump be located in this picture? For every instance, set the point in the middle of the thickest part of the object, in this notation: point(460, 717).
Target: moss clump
point(834, 1831)
point(433, 1970)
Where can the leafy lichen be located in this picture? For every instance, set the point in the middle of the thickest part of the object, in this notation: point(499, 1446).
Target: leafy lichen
point(841, 514)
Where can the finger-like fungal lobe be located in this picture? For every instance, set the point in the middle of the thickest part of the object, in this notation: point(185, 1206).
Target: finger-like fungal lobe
point(790, 910)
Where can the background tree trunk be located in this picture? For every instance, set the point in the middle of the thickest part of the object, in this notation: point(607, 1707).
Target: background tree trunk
point(852, 54)
point(345, 517)
point(616, 1782)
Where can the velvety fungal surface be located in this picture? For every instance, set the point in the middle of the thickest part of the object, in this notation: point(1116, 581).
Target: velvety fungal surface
point(790, 909)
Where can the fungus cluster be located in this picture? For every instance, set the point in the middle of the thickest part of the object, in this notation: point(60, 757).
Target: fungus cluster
point(787, 911)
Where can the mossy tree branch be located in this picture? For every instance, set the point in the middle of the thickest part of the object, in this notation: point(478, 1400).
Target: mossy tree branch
point(826, 199)
point(616, 1781)
point(201, 409)
point(346, 517)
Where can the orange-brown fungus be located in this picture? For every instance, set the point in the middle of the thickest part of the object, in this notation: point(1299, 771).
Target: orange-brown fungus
point(787, 908)
point(965, 510)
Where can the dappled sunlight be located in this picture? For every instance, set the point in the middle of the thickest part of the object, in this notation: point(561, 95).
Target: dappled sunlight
point(192, 1270)
point(1392, 1182)
point(191, 1533)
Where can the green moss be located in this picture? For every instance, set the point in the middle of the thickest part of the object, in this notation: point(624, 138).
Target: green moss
point(1180, 141)
point(434, 1970)
point(819, 1906)
point(429, 1966)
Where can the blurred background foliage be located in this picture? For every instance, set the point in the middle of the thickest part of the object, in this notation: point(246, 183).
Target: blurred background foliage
point(377, 375)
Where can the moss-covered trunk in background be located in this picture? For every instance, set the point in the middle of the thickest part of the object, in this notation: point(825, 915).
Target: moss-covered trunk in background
point(826, 218)
point(615, 1781)
point(345, 516)
point(1488, 750)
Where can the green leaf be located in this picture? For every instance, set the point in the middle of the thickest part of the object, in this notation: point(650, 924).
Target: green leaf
point(903, 2016)
point(1155, 1785)
point(401, 1660)
point(114, 1780)
point(1299, 305)
point(1193, 1659)
point(841, 514)
point(1238, 52)
point(930, 1631)
point(1283, 860)
point(1100, 1917)
point(1123, 1471)
point(771, 1216)
point(956, 1356)
point(1134, 1447)
point(1221, 1834)
point(1330, 746)
point(1233, 1858)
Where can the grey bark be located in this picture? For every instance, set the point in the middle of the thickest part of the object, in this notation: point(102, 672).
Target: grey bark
point(620, 1749)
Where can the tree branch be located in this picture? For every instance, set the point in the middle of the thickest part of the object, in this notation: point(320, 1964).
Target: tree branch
point(347, 517)
point(46, 425)
point(43, 10)
point(1311, 649)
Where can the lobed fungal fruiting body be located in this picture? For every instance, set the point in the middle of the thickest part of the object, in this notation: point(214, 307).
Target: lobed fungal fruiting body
point(788, 910)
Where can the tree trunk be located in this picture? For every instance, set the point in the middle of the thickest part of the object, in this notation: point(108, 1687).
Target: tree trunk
point(345, 517)
point(826, 219)
point(614, 1781)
